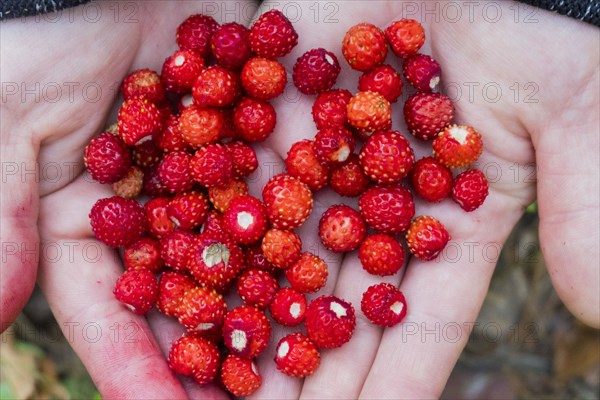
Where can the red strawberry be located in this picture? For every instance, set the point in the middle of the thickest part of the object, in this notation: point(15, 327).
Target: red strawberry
point(180, 71)
point(302, 163)
point(257, 288)
point(333, 146)
point(107, 158)
point(383, 80)
point(405, 37)
point(288, 201)
point(221, 196)
point(240, 376)
point(214, 225)
point(387, 208)
point(263, 78)
point(427, 114)
point(202, 311)
point(422, 72)
point(175, 247)
point(195, 356)
point(386, 157)
point(159, 223)
point(212, 165)
point(143, 253)
point(330, 108)
point(255, 258)
point(381, 254)
point(281, 248)
point(245, 219)
point(364, 47)
point(200, 126)
point(272, 35)
point(426, 237)
point(143, 82)
point(342, 228)
point(254, 119)
point(230, 45)
point(174, 172)
point(297, 356)
point(116, 221)
point(151, 185)
point(130, 185)
point(188, 210)
point(288, 307)
point(146, 154)
point(383, 304)
point(246, 331)
point(216, 87)
point(138, 119)
point(229, 132)
point(349, 179)
point(316, 71)
point(171, 139)
point(308, 274)
point(470, 189)
point(245, 161)
point(171, 287)
point(431, 180)
point(330, 321)
point(195, 33)
point(214, 260)
point(137, 290)
point(369, 112)
point(457, 146)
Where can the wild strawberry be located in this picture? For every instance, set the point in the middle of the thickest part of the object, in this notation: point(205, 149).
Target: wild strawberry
point(188, 210)
point(107, 158)
point(431, 180)
point(386, 157)
point(143, 253)
point(151, 185)
point(263, 78)
point(246, 331)
point(229, 131)
point(333, 146)
point(212, 165)
point(297, 356)
point(422, 72)
point(470, 189)
point(383, 304)
point(387, 208)
point(288, 201)
point(281, 248)
point(116, 221)
point(230, 45)
point(457, 146)
point(221, 196)
point(331, 108)
point(195, 33)
point(245, 219)
point(215, 226)
point(137, 290)
point(174, 172)
point(143, 82)
point(146, 154)
point(200, 126)
point(130, 185)
point(302, 163)
point(216, 87)
point(381, 254)
point(383, 80)
point(308, 274)
point(405, 37)
point(175, 247)
point(330, 321)
point(214, 260)
point(349, 179)
point(171, 287)
point(240, 376)
point(180, 71)
point(288, 307)
point(255, 259)
point(427, 114)
point(157, 218)
point(342, 228)
point(254, 119)
point(202, 311)
point(316, 71)
point(257, 288)
point(364, 47)
point(195, 356)
point(272, 35)
point(138, 119)
point(245, 161)
point(426, 237)
point(369, 112)
point(171, 139)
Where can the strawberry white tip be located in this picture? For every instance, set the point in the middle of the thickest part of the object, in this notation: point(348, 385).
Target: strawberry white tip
point(239, 339)
point(338, 309)
point(254, 369)
point(130, 307)
point(434, 82)
point(295, 310)
point(343, 154)
point(283, 349)
point(187, 100)
point(179, 60)
point(204, 326)
point(459, 133)
point(215, 254)
point(329, 59)
point(397, 307)
point(144, 139)
point(245, 219)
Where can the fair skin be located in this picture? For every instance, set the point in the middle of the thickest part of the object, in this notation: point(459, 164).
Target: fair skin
point(126, 358)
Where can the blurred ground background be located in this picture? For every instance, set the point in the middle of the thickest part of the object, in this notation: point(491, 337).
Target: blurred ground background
point(525, 344)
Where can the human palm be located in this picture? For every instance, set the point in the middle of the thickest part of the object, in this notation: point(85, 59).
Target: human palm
point(124, 353)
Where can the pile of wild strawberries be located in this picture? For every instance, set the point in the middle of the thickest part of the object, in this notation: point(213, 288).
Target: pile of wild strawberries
point(183, 139)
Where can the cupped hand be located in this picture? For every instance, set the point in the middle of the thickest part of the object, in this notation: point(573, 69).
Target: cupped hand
point(545, 120)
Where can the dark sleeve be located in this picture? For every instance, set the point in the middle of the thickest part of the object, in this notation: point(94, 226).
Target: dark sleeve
point(585, 10)
point(24, 8)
